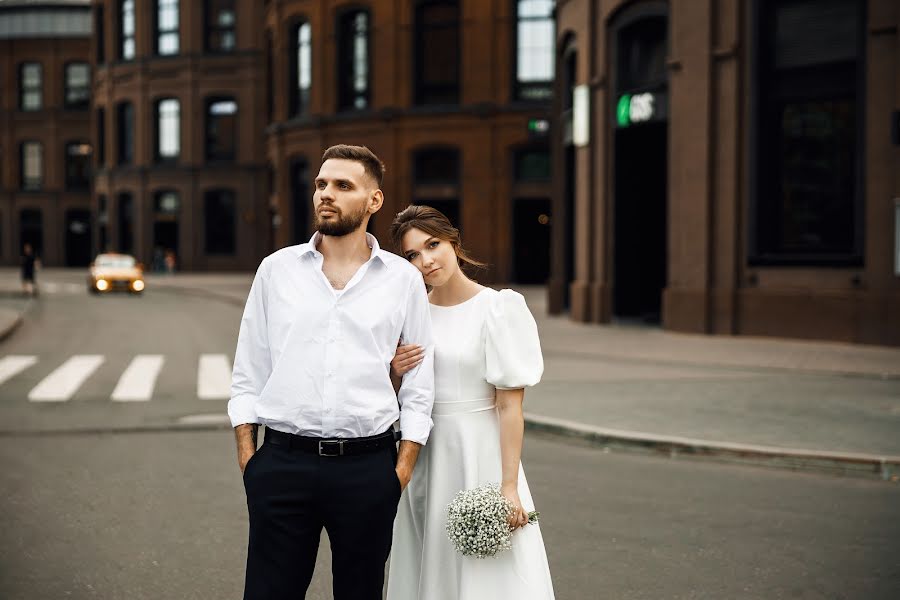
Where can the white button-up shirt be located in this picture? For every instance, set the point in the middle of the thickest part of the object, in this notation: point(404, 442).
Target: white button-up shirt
point(315, 361)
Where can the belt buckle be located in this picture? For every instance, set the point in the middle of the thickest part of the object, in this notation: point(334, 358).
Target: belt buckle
point(339, 443)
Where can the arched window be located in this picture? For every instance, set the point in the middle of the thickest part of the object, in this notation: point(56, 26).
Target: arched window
point(534, 50)
point(220, 22)
point(436, 181)
point(78, 85)
point(353, 60)
point(126, 29)
point(219, 212)
point(78, 165)
point(31, 86)
point(221, 129)
point(301, 67)
point(167, 130)
point(166, 28)
point(437, 54)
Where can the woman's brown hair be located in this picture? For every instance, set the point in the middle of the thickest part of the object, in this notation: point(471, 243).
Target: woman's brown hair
point(434, 223)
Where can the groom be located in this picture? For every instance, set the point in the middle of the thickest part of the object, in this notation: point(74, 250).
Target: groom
point(319, 329)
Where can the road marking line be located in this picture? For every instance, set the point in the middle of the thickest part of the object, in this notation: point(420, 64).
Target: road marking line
point(137, 382)
point(61, 384)
point(214, 377)
point(12, 365)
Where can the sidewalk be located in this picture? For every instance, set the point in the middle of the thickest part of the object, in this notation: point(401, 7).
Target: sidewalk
point(790, 403)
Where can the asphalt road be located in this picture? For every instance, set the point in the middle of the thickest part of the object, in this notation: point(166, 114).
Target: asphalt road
point(162, 515)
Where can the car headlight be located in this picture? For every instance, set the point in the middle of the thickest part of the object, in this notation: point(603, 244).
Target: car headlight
point(137, 285)
point(102, 285)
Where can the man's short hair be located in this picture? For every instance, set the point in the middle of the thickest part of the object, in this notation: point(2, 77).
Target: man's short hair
point(371, 163)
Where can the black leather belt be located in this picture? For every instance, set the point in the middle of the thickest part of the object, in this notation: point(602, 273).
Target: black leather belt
point(332, 446)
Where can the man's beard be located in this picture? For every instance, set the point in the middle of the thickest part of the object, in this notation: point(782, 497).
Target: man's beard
point(343, 225)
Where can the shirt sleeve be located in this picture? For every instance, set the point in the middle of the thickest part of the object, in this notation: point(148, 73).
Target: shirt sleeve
point(513, 356)
point(252, 360)
point(416, 395)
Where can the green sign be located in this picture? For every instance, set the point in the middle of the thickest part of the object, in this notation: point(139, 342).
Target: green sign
point(622, 111)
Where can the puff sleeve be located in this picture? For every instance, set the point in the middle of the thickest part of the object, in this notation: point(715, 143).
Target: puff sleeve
point(512, 347)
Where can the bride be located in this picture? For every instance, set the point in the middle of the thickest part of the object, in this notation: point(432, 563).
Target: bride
point(486, 351)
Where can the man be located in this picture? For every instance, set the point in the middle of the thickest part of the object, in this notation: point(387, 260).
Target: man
point(320, 327)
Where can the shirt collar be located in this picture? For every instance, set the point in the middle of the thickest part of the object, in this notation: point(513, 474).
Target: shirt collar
point(311, 247)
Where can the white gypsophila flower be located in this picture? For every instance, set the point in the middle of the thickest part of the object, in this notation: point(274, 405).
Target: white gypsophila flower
point(477, 521)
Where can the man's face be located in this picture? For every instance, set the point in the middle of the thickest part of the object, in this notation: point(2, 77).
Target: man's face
point(345, 197)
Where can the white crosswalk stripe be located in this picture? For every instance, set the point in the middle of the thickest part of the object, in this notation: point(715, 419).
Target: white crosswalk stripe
point(139, 379)
point(214, 377)
point(12, 365)
point(61, 384)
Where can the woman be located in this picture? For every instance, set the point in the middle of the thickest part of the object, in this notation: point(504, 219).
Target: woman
point(486, 351)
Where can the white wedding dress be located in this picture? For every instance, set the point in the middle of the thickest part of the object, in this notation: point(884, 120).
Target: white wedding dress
point(490, 341)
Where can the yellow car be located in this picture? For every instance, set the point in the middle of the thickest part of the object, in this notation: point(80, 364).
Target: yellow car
point(116, 272)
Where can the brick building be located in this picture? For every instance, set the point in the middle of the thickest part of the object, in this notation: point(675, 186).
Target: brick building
point(729, 166)
point(45, 137)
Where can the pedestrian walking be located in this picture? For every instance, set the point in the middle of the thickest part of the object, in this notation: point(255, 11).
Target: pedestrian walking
point(320, 327)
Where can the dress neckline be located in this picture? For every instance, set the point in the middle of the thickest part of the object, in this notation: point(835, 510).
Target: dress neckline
point(460, 303)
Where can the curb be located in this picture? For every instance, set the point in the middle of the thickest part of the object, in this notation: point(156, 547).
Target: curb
point(884, 467)
point(9, 329)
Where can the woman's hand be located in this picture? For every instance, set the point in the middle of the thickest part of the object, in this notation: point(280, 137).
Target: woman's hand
point(406, 358)
point(520, 516)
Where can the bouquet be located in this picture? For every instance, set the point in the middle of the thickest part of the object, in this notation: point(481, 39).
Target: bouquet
point(477, 521)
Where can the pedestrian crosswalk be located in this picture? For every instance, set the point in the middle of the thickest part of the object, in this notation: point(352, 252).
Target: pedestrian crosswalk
point(137, 382)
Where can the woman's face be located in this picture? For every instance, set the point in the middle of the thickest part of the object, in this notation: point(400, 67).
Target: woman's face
point(434, 257)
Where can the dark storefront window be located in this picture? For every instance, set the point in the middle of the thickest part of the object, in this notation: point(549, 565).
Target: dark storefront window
point(534, 50)
point(808, 194)
point(221, 129)
point(125, 132)
point(219, 218)
point(220, 22)
point(101, 137)
point(31, 230)
point(31, 170)
point(353, 60)
point(436, 181)
point(301, 67)
point(437, 53)
point(532, 164)
point(126, 29)
point(126, 223)
point(31, 86)
point(166, 35)
point(78, 165)
point(168, 130)
point(78, 85)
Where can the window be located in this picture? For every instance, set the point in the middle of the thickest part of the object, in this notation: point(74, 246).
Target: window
point(221, 129)
point(78, 82)
point(437, 52)
point(436, 181)
point(31, 230)
point(534, 49)
point(301, 200)
point(126, 223)
point(532, 165)
point(100, 37)
point(125, 125)
point(101, 137)
point(31, 161)
point(78, 165)
point(219, 216)
point(168, 130)
point(102, 227)
point(126, 29)
point(31, 86)
point(353, 60)
point(809, 197)
point(220, 21)
point(301, 68)
point(166, 34)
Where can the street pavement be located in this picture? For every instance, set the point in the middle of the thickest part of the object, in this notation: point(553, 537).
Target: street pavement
point(630, 383)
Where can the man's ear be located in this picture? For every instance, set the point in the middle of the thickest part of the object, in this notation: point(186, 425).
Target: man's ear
point(376, 201)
